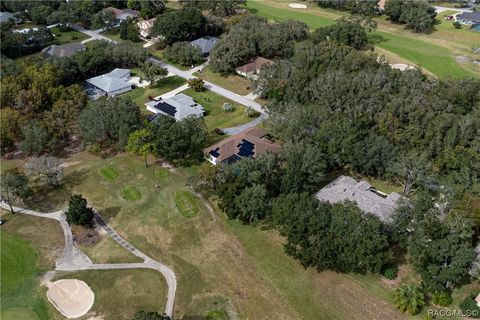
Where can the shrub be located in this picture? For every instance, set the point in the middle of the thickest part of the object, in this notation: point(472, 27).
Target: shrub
point(196, 84)
point(390, 272)
point(408, 298)
point(442, 298)
point(227, 107)
point(251, 113)
point(218, 131)
point(470, 308)
point(457, 25)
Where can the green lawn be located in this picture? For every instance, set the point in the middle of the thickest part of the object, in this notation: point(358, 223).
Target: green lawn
point(140, 95)
point(113, 34)
point(130, 193)
point(109, 173)
point(159, 55)
point(62, 37)
point(186, 204)
point(437, 59)
point(20, 292)
point(231, 82)
point(216, 117)
point(120, 293)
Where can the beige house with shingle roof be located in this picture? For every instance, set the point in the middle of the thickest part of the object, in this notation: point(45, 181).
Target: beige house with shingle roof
point(248, 143)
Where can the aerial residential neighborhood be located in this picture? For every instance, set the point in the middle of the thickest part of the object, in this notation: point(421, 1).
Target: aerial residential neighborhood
point(239, 159)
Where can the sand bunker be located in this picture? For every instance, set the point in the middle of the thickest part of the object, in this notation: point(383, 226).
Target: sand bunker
point(72, 297)
point(401, 66)
point(297, 5)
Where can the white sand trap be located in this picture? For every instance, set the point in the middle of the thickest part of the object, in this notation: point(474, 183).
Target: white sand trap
point(72, 297)
point(297, 5)
point(401, 66)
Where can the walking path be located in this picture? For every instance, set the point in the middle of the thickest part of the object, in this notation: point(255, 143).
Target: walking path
point(73, 259)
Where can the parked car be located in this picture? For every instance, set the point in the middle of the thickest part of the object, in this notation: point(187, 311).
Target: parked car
point(448, 17)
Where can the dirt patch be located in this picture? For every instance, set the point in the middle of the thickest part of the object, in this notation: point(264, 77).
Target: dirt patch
point(85, 236)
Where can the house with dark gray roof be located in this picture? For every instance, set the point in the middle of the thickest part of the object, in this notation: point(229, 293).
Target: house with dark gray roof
point(205, 44)
point(110, 84)
point(469, 18)
point(367, 198)
point(179, 106)
point(64, 50)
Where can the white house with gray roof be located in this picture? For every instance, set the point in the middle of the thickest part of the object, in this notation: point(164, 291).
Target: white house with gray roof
point(367, 198)
point(110, 84)
point(179, 106)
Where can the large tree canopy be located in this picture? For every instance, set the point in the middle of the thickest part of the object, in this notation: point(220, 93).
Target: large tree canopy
point(109, 121)
point(254, 36)
point(181, 25)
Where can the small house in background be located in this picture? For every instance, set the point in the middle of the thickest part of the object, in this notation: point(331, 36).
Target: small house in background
point(367, 198)
point(468, 18)
point(6, 16)
point(249, 143)
point(110, 84)
point(205, 44)
point(179, 106)
point(250, 69)
point(145, 27)
point(122, 14)
point(64, 50)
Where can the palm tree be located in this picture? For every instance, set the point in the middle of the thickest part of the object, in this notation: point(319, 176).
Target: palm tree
point(409, 298)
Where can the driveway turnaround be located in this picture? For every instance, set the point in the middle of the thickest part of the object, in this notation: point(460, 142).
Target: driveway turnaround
point(73, 259)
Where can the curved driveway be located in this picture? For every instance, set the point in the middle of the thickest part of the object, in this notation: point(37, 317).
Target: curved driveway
point(73, 259)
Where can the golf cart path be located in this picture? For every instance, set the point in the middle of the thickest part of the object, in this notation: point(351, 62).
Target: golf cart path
point(73, 259)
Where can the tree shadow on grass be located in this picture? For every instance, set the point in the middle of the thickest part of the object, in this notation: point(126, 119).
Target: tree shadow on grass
point(376, 38)
point(109, 213)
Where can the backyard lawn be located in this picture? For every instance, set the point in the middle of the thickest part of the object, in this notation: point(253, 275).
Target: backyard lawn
point(62, 37)
point(231, 82)
point(140, 95)
point(435, 52)
point(216, 117)
point(113, 34)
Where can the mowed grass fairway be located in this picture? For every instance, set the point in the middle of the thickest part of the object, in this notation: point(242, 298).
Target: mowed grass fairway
point(29, 246)
point(432, 52)
point(187, 204)
point(20, 293)
point(121, 293)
